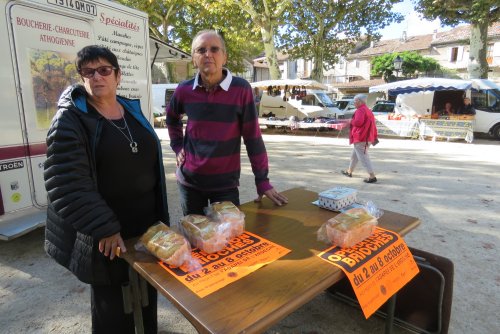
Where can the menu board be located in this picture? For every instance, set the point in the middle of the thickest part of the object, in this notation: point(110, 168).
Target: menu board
point(47, 41)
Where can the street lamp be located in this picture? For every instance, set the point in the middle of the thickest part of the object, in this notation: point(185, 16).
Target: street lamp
point(398, 62)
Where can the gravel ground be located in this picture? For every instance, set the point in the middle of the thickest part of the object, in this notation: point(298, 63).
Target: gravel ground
point(453, 187)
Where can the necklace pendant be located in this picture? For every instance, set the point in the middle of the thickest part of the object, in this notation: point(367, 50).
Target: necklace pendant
point(133, 146)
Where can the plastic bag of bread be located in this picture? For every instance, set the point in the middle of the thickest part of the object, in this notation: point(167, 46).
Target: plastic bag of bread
point(167, 245)
point(348, 228)
point(208, 235)
point(227, 212)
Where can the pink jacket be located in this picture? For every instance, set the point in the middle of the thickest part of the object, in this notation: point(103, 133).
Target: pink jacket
point(360, 130)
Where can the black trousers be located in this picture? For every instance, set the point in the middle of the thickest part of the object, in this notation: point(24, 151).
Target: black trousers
point(106, 303)
point(193, 201)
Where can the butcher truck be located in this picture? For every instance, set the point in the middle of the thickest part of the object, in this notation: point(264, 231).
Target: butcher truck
point(39, 40)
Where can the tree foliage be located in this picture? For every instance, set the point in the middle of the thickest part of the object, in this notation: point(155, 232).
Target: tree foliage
point(267, 16)
point(413, 65)
point(323, 31)
point(177, 22)
point(457, 11)
point(479, 13)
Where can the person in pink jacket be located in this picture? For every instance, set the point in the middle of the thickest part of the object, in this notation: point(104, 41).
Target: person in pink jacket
point(363, 133)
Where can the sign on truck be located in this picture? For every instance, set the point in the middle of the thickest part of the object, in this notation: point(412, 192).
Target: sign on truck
point(40, 39)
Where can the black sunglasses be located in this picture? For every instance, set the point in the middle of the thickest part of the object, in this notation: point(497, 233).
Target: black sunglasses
point(103, 71)
point(213, 49)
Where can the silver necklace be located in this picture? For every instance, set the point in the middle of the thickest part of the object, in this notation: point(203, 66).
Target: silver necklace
point(115, 122)
point(132, 143)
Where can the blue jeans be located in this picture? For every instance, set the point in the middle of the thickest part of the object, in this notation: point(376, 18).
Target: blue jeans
point(193, 201)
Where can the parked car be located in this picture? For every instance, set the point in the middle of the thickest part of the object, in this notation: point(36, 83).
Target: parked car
point(346, 105)
point(383, 108)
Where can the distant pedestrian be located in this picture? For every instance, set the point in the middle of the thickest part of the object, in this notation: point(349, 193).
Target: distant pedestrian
point(256, 98)
point(363, 133)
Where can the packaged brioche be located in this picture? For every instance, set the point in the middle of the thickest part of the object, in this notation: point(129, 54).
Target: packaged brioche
point(348, 228)
point(204, 233)
point(227, 212)
point(167, 245)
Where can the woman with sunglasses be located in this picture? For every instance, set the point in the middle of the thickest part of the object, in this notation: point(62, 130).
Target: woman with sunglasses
point(105, 182)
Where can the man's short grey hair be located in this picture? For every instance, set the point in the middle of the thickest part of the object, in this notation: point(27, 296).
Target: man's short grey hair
point(209, 32)
point(361, 98)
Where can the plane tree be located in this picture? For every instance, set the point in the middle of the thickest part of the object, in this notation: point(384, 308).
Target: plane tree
point(478, 13)
point(267, 16)
point(323, 31)
point(177, 22)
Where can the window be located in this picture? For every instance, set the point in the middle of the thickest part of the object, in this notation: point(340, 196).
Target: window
point(487, 100)
point(454, 54)
point(489, 54)
point(341, 65)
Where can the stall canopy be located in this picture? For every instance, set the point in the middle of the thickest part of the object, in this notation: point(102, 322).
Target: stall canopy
point(290, 82)
point(421, 84)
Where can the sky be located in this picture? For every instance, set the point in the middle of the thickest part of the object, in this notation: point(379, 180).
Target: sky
point(412, 24)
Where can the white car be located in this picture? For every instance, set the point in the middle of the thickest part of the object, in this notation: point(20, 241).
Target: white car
point(345, 105)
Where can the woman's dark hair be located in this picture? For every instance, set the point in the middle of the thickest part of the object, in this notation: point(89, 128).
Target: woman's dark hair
point(93, 53)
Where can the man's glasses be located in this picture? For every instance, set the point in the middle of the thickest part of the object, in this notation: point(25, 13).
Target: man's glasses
point(103, 71)
point(212, 49)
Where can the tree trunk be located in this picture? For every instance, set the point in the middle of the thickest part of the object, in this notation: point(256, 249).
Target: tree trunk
point(271, 54)
point(317, 70)
point(478, 66)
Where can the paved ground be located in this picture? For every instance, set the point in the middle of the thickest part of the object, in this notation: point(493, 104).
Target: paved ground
point(453, 187)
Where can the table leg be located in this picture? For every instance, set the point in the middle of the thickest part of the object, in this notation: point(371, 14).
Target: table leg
point(136, 300)
point(389, 321)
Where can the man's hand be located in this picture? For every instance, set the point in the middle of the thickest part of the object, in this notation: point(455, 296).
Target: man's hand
point(112, 246)
point(274, 196)
point(180, 157)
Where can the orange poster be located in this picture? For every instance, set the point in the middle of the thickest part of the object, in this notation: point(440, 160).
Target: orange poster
point(242, 255)
point(377, 267)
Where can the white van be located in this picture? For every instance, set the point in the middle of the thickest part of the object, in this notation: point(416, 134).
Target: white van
point(161, 95)
point(300, 98)
point(40, 39)
point(424, 95)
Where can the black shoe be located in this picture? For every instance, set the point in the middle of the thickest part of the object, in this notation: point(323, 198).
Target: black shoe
point(370, 180)
point(346, 173)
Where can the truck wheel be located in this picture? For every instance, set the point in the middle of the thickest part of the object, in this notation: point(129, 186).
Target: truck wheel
point(496, 131)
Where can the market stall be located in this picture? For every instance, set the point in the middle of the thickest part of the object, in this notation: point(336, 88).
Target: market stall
point(427, 108)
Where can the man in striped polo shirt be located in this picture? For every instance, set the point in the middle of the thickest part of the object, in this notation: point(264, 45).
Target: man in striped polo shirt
point(220, 110)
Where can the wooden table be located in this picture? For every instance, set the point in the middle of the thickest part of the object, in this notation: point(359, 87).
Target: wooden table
point(257, 301)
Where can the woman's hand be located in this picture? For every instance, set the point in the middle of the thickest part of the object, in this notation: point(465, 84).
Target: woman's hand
point(112, 246)
point(181, 157)
point(274, 196)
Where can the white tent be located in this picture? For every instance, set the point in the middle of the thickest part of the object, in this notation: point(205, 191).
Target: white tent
point(432, 84)
point(420, 84)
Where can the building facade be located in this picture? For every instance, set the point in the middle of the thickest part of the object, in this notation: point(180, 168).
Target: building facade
point(352, 74)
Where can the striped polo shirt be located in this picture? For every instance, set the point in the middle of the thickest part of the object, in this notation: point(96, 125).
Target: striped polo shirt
point(216, 122)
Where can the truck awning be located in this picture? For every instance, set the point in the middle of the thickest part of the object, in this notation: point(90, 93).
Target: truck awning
point(163, 52)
